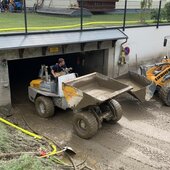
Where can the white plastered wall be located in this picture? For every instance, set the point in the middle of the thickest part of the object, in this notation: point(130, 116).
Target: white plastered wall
point(146, 46)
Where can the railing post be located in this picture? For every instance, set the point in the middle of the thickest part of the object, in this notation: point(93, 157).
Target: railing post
point(159, 13)
point(125, 12)
point(81, 15)
point(25, 17)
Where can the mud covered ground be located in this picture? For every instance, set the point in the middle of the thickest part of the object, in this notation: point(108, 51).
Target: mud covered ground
point(20, 151)
point(140, 140)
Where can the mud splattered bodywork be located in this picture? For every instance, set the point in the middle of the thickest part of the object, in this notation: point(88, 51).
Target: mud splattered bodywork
point(139, 84)
point(92, 89)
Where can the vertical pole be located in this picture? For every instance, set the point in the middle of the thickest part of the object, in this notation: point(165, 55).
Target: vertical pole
point(125, 12)
point(81, 15)
point(25, 17)
point(159, 13)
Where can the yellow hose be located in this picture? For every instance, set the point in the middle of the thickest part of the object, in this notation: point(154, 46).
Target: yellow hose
point(21, 129)
point(34, 28)
point(54, 148)
point(54, 152)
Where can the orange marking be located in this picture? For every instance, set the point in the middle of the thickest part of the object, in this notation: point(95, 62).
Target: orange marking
point(69, 92)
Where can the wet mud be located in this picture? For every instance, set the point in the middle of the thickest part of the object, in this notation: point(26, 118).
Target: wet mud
point(140, 140)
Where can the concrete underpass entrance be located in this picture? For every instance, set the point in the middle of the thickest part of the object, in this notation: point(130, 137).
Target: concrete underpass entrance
point(85, 51)
point(22, 71)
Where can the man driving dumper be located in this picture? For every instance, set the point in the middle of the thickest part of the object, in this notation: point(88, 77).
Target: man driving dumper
point(60, 68)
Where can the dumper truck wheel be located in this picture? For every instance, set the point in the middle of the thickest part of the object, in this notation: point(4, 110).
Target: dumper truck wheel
point(164, 94)
point(116, 109)
point(85, 124)
point(44, 106)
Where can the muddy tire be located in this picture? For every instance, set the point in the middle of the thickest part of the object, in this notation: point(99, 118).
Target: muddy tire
point(164, 94)
point(85, 124)
point(44, 106)
point(116, 109)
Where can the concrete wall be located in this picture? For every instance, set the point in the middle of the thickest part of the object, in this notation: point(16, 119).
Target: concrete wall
point(146, 46)
point(96, 61)
point(30, 3)
point(54, 3)
point(63, 3)
point(4, 84)
point(132, 4)
point(135, 4)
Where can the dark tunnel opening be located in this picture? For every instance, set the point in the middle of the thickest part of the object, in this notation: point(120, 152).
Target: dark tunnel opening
point(23, 71)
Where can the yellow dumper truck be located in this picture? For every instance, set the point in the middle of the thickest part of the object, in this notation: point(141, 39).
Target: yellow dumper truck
point(91, 97)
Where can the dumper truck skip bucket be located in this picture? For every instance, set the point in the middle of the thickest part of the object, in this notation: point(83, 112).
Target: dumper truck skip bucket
point(141, 86)
point(92, 89)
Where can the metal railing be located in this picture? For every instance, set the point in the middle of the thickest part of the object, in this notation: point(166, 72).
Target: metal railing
point(128, 15)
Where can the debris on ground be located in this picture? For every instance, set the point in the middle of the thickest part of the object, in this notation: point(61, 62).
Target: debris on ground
point(20, 151)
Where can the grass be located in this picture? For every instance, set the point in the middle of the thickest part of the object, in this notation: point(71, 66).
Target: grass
point(4, 136)
point(12, 141)
point(24, 162)
point(15, 21)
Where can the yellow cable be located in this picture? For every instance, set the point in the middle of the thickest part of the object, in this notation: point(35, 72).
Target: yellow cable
point(21, 129)
point(54, 148)
point(54, 152)
point(71, 26)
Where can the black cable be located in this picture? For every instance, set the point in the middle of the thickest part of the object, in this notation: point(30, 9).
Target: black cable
point(71, 160)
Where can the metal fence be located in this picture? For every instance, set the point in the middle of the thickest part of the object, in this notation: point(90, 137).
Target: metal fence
point(79, 15)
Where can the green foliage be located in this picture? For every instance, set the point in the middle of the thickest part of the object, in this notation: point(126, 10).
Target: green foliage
point(164, 15)
point(25, 162)
point(145, 4)
point(154, 14)
point(167, 11)
point(4, 143)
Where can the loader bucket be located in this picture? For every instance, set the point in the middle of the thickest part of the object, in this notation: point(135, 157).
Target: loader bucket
point(150, 90)
point(143, 89)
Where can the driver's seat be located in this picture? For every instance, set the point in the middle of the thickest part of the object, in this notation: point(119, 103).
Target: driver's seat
point(52, 77)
